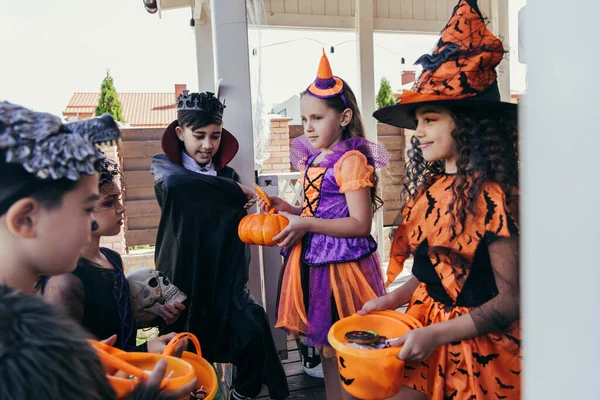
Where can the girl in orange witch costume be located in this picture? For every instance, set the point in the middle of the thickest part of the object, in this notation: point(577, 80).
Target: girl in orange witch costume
point(459, 222)
point(332, 268)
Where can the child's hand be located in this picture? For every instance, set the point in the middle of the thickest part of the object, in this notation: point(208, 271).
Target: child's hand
point(170, 313)
point(157, 375)
point(417, 345)
point(279, 204)
point(378, 304)
point(297, 227)
point(110, 341)
point(251, 197)
point(158, 345)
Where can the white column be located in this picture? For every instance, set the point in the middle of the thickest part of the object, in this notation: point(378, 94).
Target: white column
point(500, 28)
point(230, 38)
point(366, 70)
point(204, 52)
point(560, 202)
point(366, 89)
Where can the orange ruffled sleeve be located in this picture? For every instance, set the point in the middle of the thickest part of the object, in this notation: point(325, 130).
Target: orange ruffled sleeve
point(353, 172)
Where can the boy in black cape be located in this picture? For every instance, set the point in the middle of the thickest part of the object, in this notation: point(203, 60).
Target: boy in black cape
point(198, 247)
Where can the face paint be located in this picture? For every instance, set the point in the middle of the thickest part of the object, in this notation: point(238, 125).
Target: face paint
point(95, 226)
point(110, 195)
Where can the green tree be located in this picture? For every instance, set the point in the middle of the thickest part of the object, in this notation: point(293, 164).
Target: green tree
point(109, 101)
point(384, 96)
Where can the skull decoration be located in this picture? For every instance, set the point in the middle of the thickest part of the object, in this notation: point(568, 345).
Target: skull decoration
point(148, 290)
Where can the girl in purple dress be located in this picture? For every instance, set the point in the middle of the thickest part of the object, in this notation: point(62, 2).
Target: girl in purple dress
point(331, 266)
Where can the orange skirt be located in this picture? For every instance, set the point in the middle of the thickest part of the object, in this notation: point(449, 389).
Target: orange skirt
point(485, 367)
point(347, 286)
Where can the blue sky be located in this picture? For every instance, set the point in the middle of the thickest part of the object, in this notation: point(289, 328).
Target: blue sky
point(52, 49)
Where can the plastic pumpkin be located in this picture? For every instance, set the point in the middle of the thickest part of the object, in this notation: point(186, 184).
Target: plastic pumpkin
point(119, 364)
point(260, 229)
point(371, 374)
point(205, 374)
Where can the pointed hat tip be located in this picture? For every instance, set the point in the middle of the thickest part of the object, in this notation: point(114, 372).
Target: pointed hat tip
point(324, 71)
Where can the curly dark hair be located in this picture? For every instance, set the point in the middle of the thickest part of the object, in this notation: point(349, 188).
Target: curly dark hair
point(355, 128)
point(487, 151)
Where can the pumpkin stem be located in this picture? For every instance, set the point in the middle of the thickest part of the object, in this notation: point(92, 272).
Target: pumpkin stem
point(272, 211)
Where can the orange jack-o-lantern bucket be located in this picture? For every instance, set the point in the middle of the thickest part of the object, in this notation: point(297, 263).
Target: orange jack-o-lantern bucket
point(371, 374)
point(126, 370)
point(207, 378)
point(261, 228)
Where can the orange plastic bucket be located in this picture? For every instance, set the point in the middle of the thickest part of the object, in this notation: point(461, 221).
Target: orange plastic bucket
point(179, 372)
point(207, 378)
point(371, 374)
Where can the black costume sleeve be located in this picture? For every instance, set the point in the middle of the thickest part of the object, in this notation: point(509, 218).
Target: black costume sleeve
point(228, 172)
point(198, 248)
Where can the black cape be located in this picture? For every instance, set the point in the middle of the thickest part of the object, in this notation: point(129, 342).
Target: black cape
point(198, 248)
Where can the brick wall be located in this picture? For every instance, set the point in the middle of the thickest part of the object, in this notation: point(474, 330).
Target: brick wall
point(117, 242)
point(392, 139)
point(295, 131)
point(278, 147)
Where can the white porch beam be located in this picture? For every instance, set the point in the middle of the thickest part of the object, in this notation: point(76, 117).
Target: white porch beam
point(366, 86)
point(232, 67)
point(326, 22)
point(500, 27)
point(295, 21)
point(559, 203)
point(164, 5)
point(205, 60)
point(408, 25)
point(366, 66)
point(230, 38)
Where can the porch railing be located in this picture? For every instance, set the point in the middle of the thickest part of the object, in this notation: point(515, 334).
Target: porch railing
point(290, 189)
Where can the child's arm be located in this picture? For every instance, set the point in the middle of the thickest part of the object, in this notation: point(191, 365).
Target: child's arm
point(250, 196)
point(358, 224)
point(494, 315)
point(393, 300)
point(279, 205)
point(66, 292)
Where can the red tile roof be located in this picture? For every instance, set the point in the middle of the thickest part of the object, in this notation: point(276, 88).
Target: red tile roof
point(139, 109)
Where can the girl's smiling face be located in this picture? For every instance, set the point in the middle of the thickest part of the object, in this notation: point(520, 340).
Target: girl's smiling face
point(434, 133)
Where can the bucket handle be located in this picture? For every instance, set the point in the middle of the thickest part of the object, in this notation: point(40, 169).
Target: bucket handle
point(115, 362)
point(170, 348)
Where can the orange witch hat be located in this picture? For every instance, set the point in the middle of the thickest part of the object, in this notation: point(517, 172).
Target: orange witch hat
point(326, 85)
point(460, 71)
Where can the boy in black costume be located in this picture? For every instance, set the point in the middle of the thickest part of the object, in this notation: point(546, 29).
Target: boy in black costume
point(198, 248)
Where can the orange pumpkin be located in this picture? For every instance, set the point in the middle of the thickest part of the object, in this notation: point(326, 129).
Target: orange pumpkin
point(261, 228)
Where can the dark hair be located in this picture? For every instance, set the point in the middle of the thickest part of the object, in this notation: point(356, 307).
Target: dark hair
point(487, 151)
point(355, 128)
point(197, 119)
point(43, 355)
point(19, 184)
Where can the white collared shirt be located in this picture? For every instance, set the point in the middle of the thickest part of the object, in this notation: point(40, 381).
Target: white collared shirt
point(191, 165)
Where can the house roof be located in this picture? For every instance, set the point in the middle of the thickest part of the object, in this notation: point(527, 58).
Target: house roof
point(139, 109)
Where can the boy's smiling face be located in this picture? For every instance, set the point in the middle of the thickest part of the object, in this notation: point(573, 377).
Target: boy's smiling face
point(201, 144)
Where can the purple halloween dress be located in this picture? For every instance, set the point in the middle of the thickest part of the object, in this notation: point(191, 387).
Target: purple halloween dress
point(326, 278)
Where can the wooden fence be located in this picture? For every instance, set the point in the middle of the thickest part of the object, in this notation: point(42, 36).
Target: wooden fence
point(143, 212)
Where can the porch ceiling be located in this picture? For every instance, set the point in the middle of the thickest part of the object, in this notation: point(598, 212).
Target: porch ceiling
point(419, 16)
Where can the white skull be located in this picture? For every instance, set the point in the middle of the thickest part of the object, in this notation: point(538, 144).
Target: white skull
point(148, 290)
